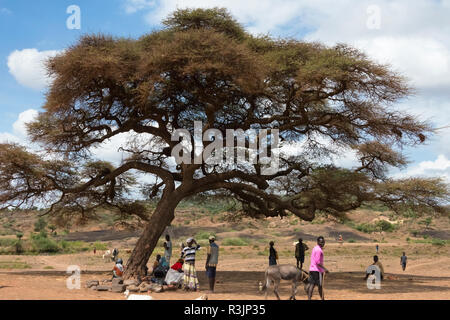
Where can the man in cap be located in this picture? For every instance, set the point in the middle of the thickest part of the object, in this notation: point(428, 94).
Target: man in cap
point(212, 259)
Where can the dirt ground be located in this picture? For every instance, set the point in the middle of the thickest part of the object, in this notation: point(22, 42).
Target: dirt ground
point(426, 277)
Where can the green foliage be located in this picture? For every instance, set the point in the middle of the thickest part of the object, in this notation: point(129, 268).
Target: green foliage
point(384, 225)
point(42, 244)
point(433, 241)
point(7, 225)
point(351, 241)
point(381, 225)
point(427, 221)
point(438, 242)
point(14, 265)
point(6, 242)
point(19, 247)
point(40, 225)
point(375, 206)
point(238, 242)
point(203, 235)
point(218, 19)
point(100, 246)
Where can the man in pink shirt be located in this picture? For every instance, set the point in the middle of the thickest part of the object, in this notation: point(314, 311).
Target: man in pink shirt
point(316, 269)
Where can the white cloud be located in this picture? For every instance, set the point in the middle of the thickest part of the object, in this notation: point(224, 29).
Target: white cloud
point(19, 134)
point(25, 117)
point(6, 137)
point(437, 168)
point(260, 16)
point(132, 6)
point(28, 67)
point(425, 61)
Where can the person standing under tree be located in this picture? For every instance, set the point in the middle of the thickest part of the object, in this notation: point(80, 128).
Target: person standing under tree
point(168, 249)
point(403, 260)
point(316, 269)
point(212, 259)
point(300, 249)
point(273, 255)
point(190, 274)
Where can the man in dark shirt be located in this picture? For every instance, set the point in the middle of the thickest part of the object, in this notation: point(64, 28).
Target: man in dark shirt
point(273, 255)
point(300, 249)
point(403, 260)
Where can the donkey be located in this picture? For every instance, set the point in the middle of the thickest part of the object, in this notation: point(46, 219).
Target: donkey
point(277, 273)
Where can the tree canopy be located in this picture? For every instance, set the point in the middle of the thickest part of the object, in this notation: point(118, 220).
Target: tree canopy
point(204, 66)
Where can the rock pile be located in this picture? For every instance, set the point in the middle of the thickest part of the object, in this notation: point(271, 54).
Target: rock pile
point(118, 285)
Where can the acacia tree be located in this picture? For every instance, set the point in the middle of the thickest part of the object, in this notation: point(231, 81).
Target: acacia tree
point(204, 66)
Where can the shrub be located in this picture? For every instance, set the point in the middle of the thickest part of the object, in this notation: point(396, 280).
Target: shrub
point(384, 225)
point(381, 225)
point(438, 242)
point(202, 235)
point(351, 241)
point(42, 244)
point(40, 225)
point(19, 247)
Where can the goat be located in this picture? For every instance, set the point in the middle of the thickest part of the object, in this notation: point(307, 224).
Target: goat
point(277, 273)
point(136, 296)
point(106, 254)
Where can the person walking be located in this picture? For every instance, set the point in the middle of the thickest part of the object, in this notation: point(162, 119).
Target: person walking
point(300, 249)
point(403, 260)
point(190, 274)
point(168, 249)
point(273, 255)
point(316, 269)
point(377, 247)
point(212, 259)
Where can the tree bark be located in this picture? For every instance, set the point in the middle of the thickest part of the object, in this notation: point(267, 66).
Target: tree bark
point(160, 219)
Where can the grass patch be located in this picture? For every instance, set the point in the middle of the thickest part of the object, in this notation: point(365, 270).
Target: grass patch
point(238, 242)
point(433, 241)
point(203, 235)
point(14, 265)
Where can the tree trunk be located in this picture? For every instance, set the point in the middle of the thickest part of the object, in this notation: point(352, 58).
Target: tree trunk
point(160, 219)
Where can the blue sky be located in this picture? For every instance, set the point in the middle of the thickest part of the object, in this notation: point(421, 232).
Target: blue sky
point(413, 36)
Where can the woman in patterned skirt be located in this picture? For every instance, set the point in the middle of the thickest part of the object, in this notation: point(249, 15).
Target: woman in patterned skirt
point(190, 274)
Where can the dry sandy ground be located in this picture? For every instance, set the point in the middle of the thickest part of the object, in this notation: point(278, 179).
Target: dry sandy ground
point(425, 278)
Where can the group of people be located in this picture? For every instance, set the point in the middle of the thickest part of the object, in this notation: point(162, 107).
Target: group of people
point(212, 259)
point(317, 269)
point(183, 273)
